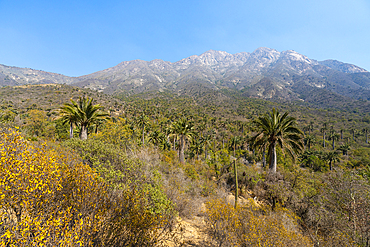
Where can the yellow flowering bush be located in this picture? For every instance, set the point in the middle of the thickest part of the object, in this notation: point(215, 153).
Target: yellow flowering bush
point(252, 225)
point(49, 198)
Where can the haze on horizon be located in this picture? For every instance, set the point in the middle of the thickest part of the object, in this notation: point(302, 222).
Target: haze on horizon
point(80, 37)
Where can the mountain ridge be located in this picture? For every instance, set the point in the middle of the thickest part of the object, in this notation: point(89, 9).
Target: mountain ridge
point(266, 72)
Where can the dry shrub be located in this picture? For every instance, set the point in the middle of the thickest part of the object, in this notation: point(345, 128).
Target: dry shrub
point(252, 225)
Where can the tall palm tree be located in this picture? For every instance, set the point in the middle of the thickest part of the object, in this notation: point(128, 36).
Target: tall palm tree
point(235, 141)
point(83, 113)
point(196, 147)
point(323, 131)
point(365, 131)
point(206, 140)
point(309, 140)
point(88, 114)
point(142, 121)
point(183, 129)
point(68, 114)
point(331, 157)
point(354, 131)
point(274, 129)
point(333, 137)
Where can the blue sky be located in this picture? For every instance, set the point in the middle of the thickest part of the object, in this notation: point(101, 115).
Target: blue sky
point(80, 37)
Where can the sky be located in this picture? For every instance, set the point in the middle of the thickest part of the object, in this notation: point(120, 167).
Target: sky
point(80, 37)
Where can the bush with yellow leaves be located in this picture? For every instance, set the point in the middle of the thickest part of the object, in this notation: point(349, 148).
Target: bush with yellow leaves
point(252, 225)
point(48, 198)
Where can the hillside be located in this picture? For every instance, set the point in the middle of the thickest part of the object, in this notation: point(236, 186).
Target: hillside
point(128, 176)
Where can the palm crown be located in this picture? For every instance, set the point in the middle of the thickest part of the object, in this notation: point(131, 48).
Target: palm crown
point(82, 113)
point(275, 129)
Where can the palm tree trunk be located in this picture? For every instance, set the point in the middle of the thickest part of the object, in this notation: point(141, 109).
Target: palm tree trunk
point(333, 143)
point(366, 137)
point(330, 165)
point(236, 184)
point(263, 158)
point(323, 140)
point(182, 149)
point(142, 138)
point(71, 130)
point(83, 134)
point(273, 158)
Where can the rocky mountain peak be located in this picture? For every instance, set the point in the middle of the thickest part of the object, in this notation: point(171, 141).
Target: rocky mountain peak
point(342, 67)
point(295, 56)
point(264, 56)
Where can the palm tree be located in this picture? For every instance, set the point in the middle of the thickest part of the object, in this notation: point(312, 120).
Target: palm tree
point(309, 140)
point(344, 148)
point(83, 113)
point(68, 114)
point(332, 157)
point(196, 147)
point(235, 141)
point(142, 121)
point(206, 140)
point(156, 137)
point(333, 136)
point(311, 126)
point(274, 129)
point(183, 129)
point(365, 131)
point(323, 131)
point(353, 130)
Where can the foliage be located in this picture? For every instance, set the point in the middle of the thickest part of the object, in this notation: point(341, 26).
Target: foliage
point(252, 225)
point(48, 198)
point(275, 130)
point(83, 113)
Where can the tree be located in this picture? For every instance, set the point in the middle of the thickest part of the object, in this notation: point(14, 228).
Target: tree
point(274, 129)
point(331, 157)
point(206, 140)
point(142, 121)
point(68, 114)
point(183, 129)
point(196, 147)
point(344, 148)
point(365, 131)
point(235, 141)
point(309, 140)
point(334, 137)
point(83, 113)
point(323, 131)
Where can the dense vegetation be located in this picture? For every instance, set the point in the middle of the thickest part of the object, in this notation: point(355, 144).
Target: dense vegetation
point(161, 156)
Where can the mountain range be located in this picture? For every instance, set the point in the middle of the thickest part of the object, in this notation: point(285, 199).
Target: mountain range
point(264, 73)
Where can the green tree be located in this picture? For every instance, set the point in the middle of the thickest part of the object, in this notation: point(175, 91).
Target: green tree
point(309, 140)
point(323, 131)
point(366, 131)
point(331, 157)
point(274, 129)
point(68, 113)
point(333, 137)
point(183, 129)
point(235, 142)
point(83, 113)
point(142, 121)
point(344, 148)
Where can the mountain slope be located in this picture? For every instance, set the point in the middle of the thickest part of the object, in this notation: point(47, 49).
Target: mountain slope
point(264, 73)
